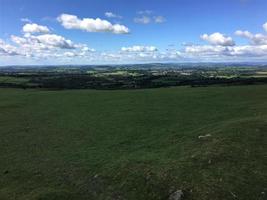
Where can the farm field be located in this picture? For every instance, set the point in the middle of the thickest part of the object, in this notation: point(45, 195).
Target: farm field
point(134, 144)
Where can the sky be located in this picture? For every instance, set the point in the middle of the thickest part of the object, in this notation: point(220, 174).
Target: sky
point(46, 32)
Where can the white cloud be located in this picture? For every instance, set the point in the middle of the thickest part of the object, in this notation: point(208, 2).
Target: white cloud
point(69, 54)
point(112, 15)
point(249, 51)
point(27, 20)
point(204, 50)
point(139, 55)
point(43, 46)
point(169, 55)
point(142, 20)
point(159, 19)
point(91, 25)
point(149, 19)
point(7, 50)
point(265, 26)
point(18, 40)
point(46, 46)
point(218, 39)
point(148, 16)
point(211, 51)
point(55, 41)
point(257, 39)
point(45, 41)
point(246, 34)
point(87, 49)
point(139, 49)
point(35, 28)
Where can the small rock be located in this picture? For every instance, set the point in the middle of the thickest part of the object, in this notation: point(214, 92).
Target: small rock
point(233, 194)
point(177, 195)
point(96, 176)
point(6, 172)
point(204, 136)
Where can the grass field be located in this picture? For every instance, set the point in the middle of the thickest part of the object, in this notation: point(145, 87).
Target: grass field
point(134, 144)
point(9, 79)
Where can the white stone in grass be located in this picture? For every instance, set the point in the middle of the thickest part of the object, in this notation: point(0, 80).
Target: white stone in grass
point(177, 195)
point(204, 136)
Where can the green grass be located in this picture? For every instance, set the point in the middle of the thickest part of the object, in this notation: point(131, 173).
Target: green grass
point(15, 80)
point(135, 144)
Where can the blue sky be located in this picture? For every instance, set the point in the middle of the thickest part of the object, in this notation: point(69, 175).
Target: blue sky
point(120, 31)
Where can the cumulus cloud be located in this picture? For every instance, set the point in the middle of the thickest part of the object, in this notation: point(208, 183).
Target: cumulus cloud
point(265, 26)
point(18, 40)
point(69, 54)
point(45, 41)
point(40, 43)
point(7, 50)
point(218, 39)
point(245, 34)
point(249, 51)
point(211, 51)
point(35, 28)
point(48, 45)
point(255, 39)
point(91, 25)
point(55, 41)
point(139, 49)
point(43, 45)
point(112, 15)
point(87, 49)
point(136, 54)
point(206, 50)
point(140, 56)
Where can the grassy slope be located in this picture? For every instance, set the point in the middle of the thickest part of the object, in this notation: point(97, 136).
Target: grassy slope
point(137, 144)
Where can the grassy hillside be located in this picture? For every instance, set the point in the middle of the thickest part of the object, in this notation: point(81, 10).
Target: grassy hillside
point(135, 144)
